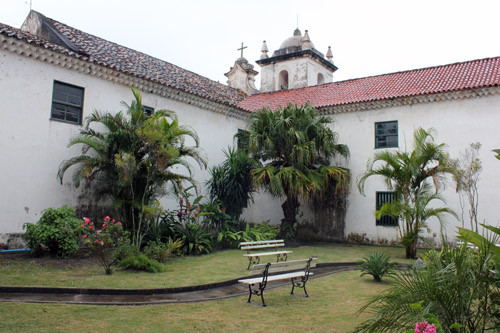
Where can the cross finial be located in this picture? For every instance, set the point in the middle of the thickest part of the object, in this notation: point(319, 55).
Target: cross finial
point(241, 49)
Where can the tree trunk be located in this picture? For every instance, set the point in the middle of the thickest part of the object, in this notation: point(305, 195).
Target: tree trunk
point(289, 211)
point(411, 250)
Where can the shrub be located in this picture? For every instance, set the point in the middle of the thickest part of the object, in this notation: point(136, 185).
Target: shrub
point(140, 262)
point(377, 265)
point(229, 238)
point(195, 239)
point(104, 241)
point(161, 251)
point(451, 285)
point(58, 230)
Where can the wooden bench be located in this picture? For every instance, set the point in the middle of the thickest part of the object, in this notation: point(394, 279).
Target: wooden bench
point(297, 271)
point(254, 258)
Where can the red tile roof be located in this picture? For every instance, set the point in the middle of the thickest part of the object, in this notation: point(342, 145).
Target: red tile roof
point(459, 76)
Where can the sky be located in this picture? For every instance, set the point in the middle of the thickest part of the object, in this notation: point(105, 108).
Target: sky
point(367, 37)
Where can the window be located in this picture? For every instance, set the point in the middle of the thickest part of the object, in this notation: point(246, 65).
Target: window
point(283, 80)
point(242, 139)
point(67, 103)
point(148, 110)
point(321, 78)
point(386, 134)
point(382, 198)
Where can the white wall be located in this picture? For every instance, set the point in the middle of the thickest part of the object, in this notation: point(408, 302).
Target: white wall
point(458, 123)
point(33, 146)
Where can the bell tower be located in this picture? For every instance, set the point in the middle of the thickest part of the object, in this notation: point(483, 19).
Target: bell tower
point(296, 64)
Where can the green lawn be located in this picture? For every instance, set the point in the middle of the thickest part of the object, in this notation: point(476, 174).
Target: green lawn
point(331, 307)
point(184, 271)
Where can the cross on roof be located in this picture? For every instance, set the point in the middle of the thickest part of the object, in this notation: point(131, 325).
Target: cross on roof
point(242, 48)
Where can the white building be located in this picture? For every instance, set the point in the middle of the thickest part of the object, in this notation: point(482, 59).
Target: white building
point(52, 76)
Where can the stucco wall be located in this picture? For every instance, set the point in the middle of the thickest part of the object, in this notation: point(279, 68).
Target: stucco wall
point(33, 146)
point(457, 123)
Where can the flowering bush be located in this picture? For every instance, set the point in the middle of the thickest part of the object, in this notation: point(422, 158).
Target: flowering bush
point(104, 241)
point(425, 327)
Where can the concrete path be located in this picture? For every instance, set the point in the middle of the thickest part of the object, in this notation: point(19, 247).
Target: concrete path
point(226, 289)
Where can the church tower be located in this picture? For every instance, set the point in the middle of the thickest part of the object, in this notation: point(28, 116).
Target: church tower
point(296, 64)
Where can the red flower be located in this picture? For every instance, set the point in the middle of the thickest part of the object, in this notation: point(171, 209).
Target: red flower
point(118, 223)
point(102, 243)
point(106, 218)
point(99, 231)
point(96, 241)
point(91, 227)
point(223, 209)
point(83, 226)
point(84, 236)
point(189, 206)
point(181, 202)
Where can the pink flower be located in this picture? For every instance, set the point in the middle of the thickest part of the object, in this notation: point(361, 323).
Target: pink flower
point(113, 220)
point(118, 223)
point(102, 243)
point(87, 220)
point(96, 241)
point(91, 227)
point(425, 327)
point(106, 218)
point(83, 226)
point(99, 231)
point(84, 236)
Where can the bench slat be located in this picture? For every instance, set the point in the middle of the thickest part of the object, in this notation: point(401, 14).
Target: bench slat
point(272, 241)
point(273, 269)
point(286, 263)
point(274, 277)
point(265, 254)
point(262, 246)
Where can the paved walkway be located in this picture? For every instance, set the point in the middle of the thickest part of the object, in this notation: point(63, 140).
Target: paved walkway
point(212, 292)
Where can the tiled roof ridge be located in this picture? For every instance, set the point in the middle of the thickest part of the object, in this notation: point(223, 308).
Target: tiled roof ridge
point(171, 75)
point(144, 54)
point(379, 75)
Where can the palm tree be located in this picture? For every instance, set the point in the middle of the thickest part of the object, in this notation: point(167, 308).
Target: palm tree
point(133, 157)
point(296, 147)
point(408, 175)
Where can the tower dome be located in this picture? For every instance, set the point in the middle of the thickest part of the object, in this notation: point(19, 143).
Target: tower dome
point(296, 64)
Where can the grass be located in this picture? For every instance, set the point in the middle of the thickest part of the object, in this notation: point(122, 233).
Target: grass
point(331, 307)
point(184, 271)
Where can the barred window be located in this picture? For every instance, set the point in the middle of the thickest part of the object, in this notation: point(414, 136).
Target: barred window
point(382, 198)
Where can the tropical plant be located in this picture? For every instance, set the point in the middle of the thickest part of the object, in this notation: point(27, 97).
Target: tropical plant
point(449, 285)
point(466, 171)
point(408, 174)
point(296, 147)
point(140, 262)
point(58, 231)
point(377, 265)
point(104, 240)
point(229, 238)
point(231, 181)
point(134, 158)
point(195, 239)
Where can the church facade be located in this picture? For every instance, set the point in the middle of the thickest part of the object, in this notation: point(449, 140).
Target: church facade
point(52, 76)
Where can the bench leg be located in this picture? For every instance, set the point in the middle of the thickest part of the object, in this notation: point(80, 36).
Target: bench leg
point(299, 284)
point(262, 298)
point(250, 293)
point(256, 292)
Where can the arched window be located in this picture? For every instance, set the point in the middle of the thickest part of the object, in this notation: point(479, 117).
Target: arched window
point(283, 80)
point(321, 78)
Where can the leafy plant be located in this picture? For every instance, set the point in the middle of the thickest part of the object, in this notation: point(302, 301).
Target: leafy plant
point(449, 285)
point(161, 251)
point(58, 230)
point(231, 182)
point(295, 146)
point(409, 173)
point(104, 241)
point(139, 261)
point(466, 171)
point(195, 239)
point(135, 157)
point(263, 231)
point(377, 265)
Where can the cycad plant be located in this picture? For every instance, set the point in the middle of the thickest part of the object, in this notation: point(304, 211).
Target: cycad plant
point(377, 265)
point(134, 157)
point(296, 147)
point(410, 175)
point(449, 285)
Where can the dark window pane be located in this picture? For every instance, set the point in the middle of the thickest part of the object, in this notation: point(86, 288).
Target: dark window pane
point(386, 134)
point(67, 102)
